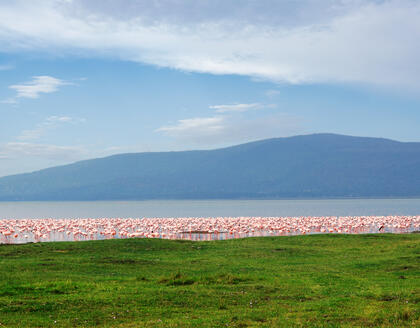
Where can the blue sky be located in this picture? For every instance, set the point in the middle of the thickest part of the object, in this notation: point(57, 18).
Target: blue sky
point(84, 79)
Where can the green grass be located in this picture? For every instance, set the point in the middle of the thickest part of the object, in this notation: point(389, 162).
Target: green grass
point(316, 281)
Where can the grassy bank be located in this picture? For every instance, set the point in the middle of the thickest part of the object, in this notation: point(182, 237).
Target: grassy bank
point(317, 280)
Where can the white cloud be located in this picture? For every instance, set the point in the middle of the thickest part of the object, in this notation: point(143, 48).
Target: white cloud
point(31, 134)
point(226, 130)
point(236, 107)
point(231, 126)
point(13, 150)
point(308, 41)
point(49, 123)
point(37, 86)
point(201, 126)
point(54, 119)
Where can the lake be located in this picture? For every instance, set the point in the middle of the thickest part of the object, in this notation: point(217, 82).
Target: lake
point(209, 208)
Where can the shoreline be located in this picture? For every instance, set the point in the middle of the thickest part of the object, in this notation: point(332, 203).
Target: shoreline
point(17, 231)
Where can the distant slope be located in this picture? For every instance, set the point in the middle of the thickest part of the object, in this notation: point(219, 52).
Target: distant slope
point(319, 165)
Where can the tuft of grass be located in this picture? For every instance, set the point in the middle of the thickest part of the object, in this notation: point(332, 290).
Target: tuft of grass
point(299, 281)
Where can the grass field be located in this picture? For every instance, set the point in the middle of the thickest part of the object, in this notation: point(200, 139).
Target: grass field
point(315, 281)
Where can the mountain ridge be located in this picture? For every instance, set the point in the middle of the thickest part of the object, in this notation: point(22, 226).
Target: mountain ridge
point(306, 166)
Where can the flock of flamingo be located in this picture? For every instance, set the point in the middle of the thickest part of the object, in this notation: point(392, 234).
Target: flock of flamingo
point(13, 231)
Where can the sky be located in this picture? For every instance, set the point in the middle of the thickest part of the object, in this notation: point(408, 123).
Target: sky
point(82, 79)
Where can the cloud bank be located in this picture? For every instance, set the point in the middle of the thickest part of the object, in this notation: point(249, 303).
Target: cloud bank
point(333, 41)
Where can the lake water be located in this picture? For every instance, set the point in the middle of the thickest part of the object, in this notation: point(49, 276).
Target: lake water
point(209, 208)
